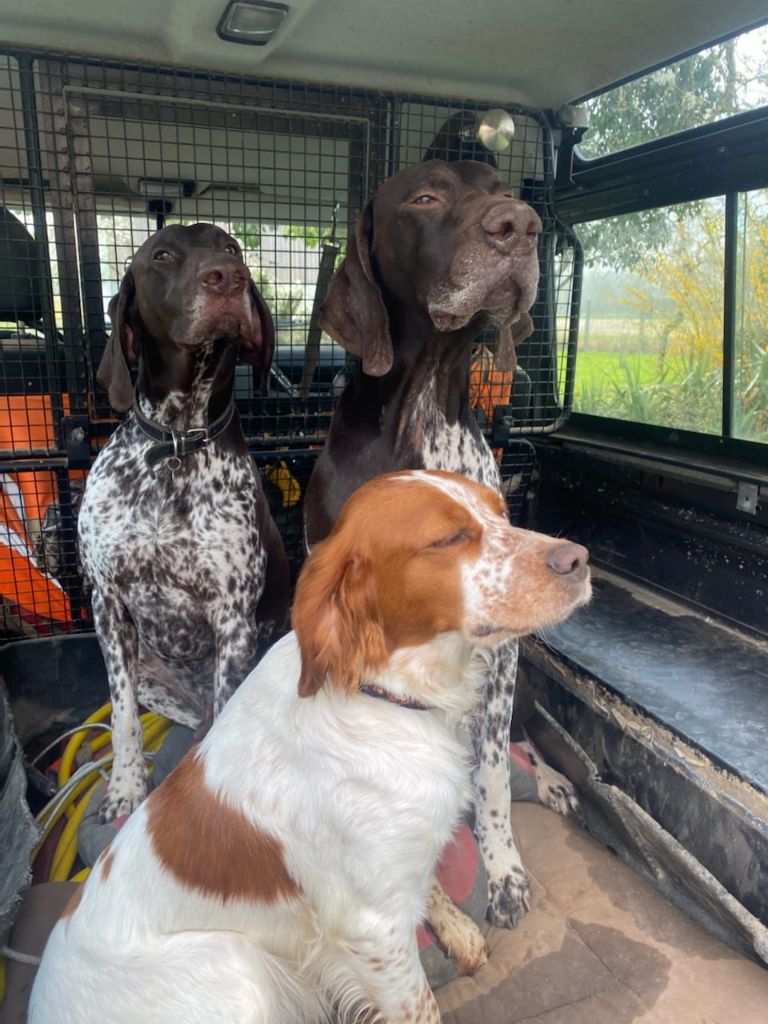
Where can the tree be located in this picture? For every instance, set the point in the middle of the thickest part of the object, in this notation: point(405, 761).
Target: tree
point(688, 272)
point(714, 83)
point(305, 233)
point(247, 233)
point(696, 90)
point(282, 299)
point(677, 291)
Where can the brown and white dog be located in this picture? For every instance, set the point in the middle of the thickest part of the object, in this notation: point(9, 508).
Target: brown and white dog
point(281, 870)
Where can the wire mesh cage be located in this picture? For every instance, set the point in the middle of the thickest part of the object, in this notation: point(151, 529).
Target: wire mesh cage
point(95, 156)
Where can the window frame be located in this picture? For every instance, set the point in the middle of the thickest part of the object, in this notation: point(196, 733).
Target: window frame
point(722, 159)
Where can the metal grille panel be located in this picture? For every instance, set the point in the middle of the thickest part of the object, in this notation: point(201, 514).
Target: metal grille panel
point(95, 155)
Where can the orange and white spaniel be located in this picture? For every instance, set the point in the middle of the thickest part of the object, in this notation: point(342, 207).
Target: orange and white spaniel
point(281, 870)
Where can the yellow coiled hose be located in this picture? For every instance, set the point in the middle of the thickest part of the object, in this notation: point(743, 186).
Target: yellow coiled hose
point(76, 788)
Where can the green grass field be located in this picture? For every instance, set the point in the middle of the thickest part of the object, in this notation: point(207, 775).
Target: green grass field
point(684, 391)
point(595, 369)
point(644, 388)
point(666, 383)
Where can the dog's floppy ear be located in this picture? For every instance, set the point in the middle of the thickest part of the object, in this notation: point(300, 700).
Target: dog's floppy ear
point(260, 351)
point(113, 373)
point(505, 357)
point(337, 619)
point(354, 313)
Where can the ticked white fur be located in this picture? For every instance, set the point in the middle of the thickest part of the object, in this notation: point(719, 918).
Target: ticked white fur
point(332, 807)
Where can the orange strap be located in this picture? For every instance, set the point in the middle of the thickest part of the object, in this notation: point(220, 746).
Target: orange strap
point(488, 387)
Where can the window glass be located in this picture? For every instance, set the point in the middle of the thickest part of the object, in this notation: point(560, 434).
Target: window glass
point(707, 86)
point(283, 258)
point(750, 406)
point(651, 325)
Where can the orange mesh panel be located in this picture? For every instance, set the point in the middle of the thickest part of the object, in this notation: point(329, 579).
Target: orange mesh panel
point(22, 584)
point(26, 421)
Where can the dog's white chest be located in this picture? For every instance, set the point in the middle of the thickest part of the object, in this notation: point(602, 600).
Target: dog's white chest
point(454, 448)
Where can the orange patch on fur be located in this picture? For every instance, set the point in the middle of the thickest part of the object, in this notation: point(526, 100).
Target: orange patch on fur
point(387, 577)
point(73, 903)
point(212, 847)
point(106, 860)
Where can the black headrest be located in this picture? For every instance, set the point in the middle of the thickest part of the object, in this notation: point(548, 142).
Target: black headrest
point(22, 271)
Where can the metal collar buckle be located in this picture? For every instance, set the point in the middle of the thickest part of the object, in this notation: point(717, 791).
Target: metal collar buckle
point(184, 443)
point(171, 446)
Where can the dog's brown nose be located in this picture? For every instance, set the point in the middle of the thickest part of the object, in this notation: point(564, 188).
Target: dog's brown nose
point(225, 278)
point(508, 222)
point(568, 559)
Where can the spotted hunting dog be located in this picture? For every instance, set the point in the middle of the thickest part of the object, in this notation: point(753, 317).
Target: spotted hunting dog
point(188, 571)
point(440, 252)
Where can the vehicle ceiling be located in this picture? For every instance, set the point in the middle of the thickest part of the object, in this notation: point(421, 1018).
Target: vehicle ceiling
point(538, 52)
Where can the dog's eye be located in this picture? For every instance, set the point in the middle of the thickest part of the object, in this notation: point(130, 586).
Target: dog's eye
point(232, 249)
point(425, 199)
point(162, 255)
point(451, 540)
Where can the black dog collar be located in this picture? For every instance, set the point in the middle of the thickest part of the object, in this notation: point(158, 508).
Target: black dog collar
point(173, 445)
point(404, 702)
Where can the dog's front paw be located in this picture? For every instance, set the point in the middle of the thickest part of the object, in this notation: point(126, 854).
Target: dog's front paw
point(473, 953)
point(509, 899)
point(557, 793)
point(119, 803)
point(457, 934)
